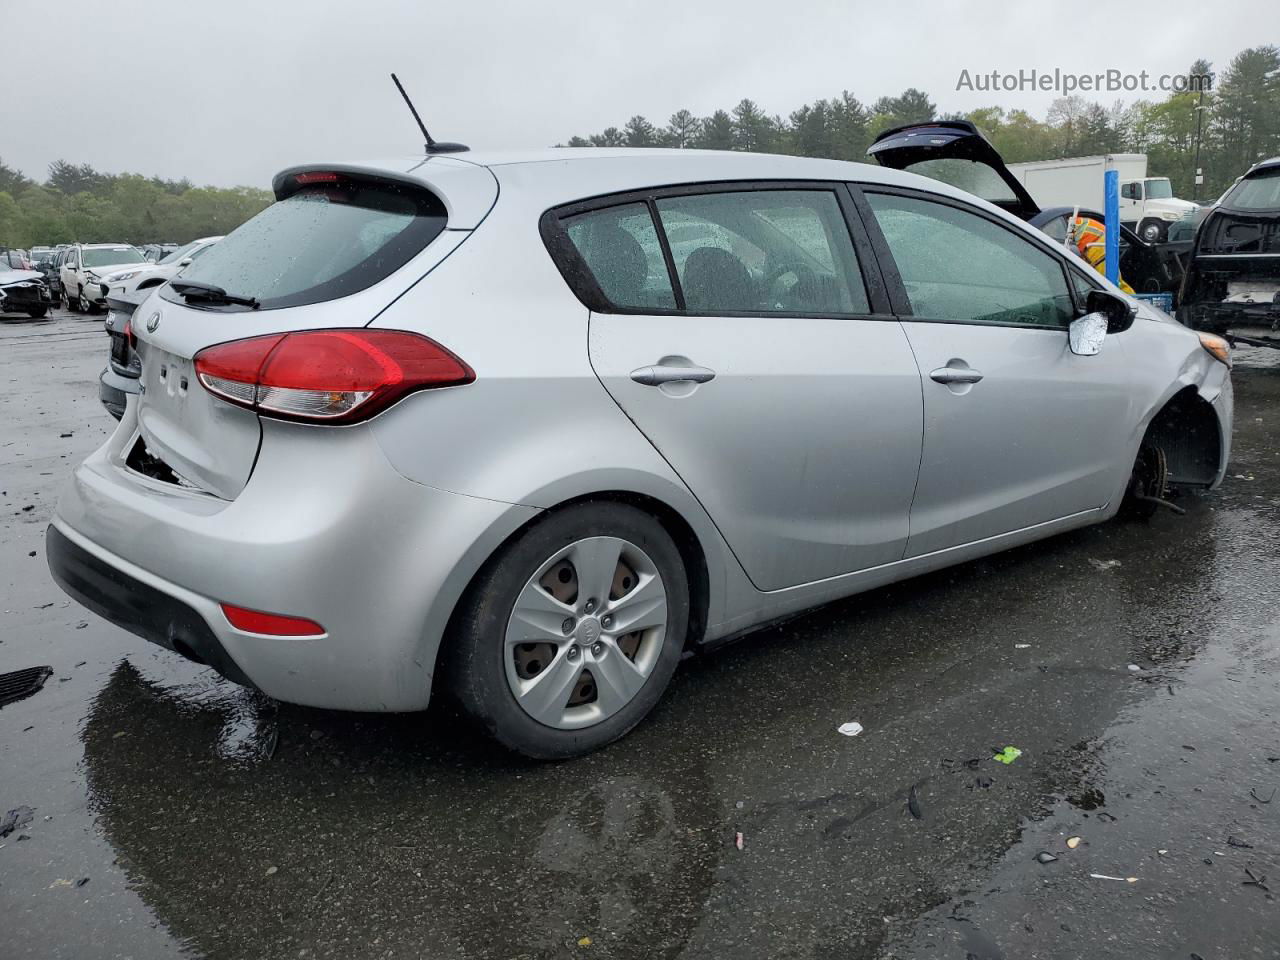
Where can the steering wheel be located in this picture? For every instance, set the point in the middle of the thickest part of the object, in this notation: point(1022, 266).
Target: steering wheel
point(782, 298)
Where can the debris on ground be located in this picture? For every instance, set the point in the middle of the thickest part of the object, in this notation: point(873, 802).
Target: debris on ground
point(1103, 876)
point(1073, 842)
point(1237, 842)
point(1007, 755)
point(1255, 880)
point(913, 803)
point(1021, 646)
point(1044, 856)
point(983, 782)
point(850, 729)
point(1134, 668)
point(737, 840)
point(272, 871)
point(20, 684)
point(1103, 565)
point(82, 881)
point(584, 941)
point(16, 819)
point(1253, 792)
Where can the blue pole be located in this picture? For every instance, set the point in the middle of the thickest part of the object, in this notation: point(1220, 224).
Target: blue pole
point(1111, 213)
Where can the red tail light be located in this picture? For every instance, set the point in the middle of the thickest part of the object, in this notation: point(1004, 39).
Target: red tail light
point(128, 334)
point(327, 376)
point(273, 624)
point(316, 176)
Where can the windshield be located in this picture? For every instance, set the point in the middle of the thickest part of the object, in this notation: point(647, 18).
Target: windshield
point(325, 241)
point(1160, 189)
point(110, 256)
point(179, 253)
point(970, 175)
point(1260, 192)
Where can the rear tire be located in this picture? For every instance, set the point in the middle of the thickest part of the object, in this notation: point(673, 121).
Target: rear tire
point(639, 565)
point(70, 301)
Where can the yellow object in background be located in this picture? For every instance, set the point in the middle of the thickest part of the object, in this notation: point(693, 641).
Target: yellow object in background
point(1090, 237)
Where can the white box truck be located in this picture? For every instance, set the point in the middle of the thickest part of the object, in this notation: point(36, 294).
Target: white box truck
point(1147, 204)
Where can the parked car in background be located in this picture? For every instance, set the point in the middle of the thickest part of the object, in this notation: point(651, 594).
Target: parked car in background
point(83, 267)
point(119, 378)
point(957, 153)
point(1232, 284)
point(47, 266)
point(22, 290)
point(155, 252)
point(145, 276)
point(1005, 390)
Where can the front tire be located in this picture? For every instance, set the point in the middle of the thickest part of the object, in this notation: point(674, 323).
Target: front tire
point(38, 313)
point(1152, 231)
point(568, 638)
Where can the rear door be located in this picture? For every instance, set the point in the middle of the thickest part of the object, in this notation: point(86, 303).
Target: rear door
point(336, 248)
point(1019, 430)
point(956, 153)
point(744, 333)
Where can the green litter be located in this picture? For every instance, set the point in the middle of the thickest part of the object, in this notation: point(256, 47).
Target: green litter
point(1008, 755)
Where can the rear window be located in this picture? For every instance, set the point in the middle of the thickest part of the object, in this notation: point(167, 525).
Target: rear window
point(324, 241)
point(1256, 193)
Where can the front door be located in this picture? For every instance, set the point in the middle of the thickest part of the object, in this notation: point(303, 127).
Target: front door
point(1019, 430)
point(742, 342)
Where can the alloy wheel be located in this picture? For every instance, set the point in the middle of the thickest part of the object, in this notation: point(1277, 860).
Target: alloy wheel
point(585, 633)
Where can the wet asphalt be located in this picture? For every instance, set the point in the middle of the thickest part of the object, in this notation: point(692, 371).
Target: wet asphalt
point(207, 821)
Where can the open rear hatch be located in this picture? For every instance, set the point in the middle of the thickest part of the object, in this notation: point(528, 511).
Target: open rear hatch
point(956, 153)
point(338, 246)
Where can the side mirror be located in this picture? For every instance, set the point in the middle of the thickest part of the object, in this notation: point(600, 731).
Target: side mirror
point(184, 262)
point(1086, 334)
point(1117, 311)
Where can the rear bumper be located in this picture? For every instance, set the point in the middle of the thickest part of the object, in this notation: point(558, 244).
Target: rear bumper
point(325, 529)
point(114, 390)
point(107, 586)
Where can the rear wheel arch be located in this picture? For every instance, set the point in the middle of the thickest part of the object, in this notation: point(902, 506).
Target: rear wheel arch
point(692, 553)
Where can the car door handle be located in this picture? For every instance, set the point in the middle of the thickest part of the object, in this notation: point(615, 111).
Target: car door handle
point(659, 374)
point(955, 375)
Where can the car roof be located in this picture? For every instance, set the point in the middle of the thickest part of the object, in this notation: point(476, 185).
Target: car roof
point(1264, 166)
point(549, 177)
point(105, 246)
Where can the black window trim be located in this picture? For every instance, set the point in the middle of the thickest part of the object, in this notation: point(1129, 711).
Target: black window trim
point(897, 290)
point(582, 282)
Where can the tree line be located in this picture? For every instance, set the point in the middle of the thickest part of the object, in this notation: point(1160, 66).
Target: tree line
point(1237, 123)
point(78, 204)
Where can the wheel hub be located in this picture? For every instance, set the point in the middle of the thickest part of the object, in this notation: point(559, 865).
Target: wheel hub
point(585, 632)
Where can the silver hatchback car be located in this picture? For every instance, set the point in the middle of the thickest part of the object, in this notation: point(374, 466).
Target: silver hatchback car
point(524, 427)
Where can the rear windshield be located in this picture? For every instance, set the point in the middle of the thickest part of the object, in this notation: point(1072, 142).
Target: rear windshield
point(324, 241)
point(110, 256)
point(1256, 193)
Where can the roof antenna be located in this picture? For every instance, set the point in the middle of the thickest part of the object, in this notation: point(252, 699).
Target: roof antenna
point(432, 146)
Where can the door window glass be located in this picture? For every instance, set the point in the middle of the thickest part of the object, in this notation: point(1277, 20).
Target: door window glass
point(957, 265)
point(763, 251)
point(622, 251)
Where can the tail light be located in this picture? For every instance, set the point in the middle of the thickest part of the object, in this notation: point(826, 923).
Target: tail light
point(327, 376)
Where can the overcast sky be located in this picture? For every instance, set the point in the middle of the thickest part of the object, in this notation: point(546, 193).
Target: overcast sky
point(230, 91)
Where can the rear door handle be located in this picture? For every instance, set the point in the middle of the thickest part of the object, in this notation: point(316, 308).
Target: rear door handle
point(659, 374)
point(955, 375)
